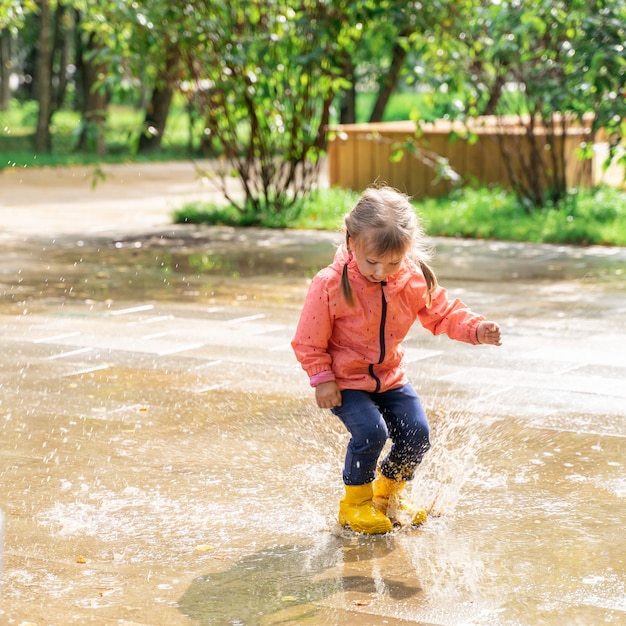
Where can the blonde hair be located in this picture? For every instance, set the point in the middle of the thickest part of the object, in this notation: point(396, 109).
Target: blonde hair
point(386, 218)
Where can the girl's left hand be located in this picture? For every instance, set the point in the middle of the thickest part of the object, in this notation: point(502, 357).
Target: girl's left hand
point(489, 333)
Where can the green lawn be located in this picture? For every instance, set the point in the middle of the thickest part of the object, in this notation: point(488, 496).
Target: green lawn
point(17, 133)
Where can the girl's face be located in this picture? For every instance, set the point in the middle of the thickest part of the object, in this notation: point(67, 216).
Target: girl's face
point(375, 267)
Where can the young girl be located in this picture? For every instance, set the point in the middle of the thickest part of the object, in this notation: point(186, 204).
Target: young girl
point(357, 312)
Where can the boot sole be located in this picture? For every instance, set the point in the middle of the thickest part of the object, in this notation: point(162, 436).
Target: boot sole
point(378, 529)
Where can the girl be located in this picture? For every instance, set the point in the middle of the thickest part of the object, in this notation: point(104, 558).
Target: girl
point(357, 312)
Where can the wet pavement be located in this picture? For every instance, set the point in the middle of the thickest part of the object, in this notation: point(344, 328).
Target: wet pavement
point(162, 462)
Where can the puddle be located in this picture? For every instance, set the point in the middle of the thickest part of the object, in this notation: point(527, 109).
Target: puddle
point(163, 463)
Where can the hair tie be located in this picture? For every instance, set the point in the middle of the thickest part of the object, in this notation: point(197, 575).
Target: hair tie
point(349, 260)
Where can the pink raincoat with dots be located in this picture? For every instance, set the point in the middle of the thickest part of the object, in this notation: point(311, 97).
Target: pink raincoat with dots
point(359, 346)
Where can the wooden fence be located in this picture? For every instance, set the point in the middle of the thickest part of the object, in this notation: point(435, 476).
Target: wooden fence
point(360, 154)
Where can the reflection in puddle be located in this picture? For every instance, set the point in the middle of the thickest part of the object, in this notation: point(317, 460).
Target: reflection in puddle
point(267, 582)
point(192, 264)
point(163, 268)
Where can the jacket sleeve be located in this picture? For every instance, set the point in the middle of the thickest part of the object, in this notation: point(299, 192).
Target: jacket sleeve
point(452, 318)
point(310, 342)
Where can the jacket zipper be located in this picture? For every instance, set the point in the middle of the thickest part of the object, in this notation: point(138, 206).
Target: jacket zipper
point(383, 318)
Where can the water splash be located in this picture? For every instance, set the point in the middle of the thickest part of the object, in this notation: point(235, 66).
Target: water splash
point(457, 437)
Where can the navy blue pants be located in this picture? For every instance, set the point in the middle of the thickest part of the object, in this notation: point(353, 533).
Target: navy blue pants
point(371, 419)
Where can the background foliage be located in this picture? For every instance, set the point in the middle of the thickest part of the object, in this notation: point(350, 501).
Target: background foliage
point(258, 81)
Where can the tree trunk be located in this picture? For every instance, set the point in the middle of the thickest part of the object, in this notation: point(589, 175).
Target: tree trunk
point(159, 105)
point(44, 75)
point(347, 108)
point(388, 82)
point(5, 69)
point(62, 30)
point(94, 100)
point(495, 93)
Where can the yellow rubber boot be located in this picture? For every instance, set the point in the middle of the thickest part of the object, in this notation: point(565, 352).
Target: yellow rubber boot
point(389, 500)
point(357, 511)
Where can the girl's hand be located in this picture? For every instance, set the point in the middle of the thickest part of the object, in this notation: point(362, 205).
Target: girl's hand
point(328, 395)
point(489, 332)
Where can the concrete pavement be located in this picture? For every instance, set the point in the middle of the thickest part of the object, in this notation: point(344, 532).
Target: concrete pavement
point(89, 199)
point(163, 464)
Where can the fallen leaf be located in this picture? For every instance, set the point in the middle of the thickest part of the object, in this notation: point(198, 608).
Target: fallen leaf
point(203, 548)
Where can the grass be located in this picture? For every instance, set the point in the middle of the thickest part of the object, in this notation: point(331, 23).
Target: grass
point(593, 217)
point(321, 210)
point(124, 123)
point(402, 106)
point(588, 217)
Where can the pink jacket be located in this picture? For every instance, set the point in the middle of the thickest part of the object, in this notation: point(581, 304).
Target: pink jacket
point(359, 347)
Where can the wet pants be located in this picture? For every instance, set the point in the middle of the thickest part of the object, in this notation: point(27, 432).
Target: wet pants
point(371, 419)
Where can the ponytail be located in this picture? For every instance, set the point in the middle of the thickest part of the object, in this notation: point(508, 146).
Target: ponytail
point(345, 285)
point(345, 281)
point(431, 282)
